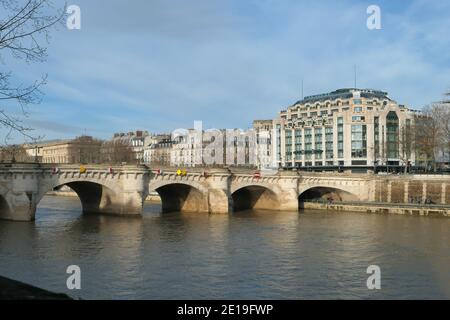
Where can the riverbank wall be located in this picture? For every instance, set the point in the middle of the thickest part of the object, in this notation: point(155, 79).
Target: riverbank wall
point(405, 209)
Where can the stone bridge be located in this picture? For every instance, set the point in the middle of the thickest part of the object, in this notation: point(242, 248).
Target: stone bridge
point(121, 190)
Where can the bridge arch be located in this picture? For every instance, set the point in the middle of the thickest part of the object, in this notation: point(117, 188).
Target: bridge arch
point(95, 196)
point(5, 209)
point(326, 193)
point(181, 196)
point(254, 196)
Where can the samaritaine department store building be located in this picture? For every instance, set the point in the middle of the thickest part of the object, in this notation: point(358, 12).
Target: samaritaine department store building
point(355, 128)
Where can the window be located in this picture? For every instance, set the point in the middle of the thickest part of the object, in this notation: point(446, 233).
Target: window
point(377, 136)
point(340, 126)
point(392, 134)
point(278, 135)
point(357, 109)
point(358, 118)
point(357, 101)
point(359, 163)
point(359, 142)
point(329, 142)
point(298, 144)
point(308, 143)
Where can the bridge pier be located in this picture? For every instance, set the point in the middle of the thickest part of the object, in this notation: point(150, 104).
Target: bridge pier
point(18, 206)
point(218, 201)
point(288, 200)
point(107, 202)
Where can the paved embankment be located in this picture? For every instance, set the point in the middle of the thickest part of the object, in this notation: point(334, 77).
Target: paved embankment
point(15, 290)
point(376, 207)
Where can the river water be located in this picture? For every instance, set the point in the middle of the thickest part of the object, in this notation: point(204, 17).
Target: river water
point(245, 255)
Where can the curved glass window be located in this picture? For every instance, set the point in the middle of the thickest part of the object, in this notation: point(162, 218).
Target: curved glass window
point(359, 141)
point(392, 128)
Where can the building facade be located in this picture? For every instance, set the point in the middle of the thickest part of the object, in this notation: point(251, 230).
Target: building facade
point(157, 149)
point(135, 140)
point(84, 149)
point(347, 127)
point(264, 147)
point(214, 147)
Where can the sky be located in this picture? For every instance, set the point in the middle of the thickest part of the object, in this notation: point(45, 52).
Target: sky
point(158, 65)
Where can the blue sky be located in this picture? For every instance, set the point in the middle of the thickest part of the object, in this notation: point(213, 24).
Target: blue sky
point(160, 65)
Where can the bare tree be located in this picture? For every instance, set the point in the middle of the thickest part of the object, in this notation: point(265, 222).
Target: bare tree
point(442, 115)
point(87, 149)
point(13, 153)
point(446, 98)
point(406, 144)
point(382, 152)
point(24, 30)
point(117, 152)
point(428, 139)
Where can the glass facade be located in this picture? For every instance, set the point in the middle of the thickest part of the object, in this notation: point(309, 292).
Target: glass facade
point(308, 144)
point(288, 144)
point(298, 144)
point(310, 136)
point(392, 135)
point(318, 142)
point(376, 136)
point(329, 142)
point(359, 141)
point(340, 127)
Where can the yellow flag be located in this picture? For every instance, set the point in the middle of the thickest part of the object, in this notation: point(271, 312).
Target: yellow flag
point(179, 172)
point(82, 169)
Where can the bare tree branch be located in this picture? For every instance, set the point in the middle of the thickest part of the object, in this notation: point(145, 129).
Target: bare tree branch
point(24, 30)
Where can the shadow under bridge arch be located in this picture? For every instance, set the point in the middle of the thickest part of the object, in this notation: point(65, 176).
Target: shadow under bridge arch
point(320, 193)
point(180, 197)
point(94, 197)
point(5, 210)
point(254, 197)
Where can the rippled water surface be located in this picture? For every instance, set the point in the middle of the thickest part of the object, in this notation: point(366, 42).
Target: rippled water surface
point(251, 254)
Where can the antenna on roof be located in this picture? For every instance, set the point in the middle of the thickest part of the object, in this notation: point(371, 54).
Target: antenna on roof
point(355, 76)
point(302, 89)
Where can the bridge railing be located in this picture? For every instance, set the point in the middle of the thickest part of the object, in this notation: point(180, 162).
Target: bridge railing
point(18, 166)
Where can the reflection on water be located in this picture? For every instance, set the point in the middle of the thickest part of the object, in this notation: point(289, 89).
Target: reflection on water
point(250, 254)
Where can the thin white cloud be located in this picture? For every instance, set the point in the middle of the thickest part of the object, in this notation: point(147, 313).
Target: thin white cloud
point(164, 63)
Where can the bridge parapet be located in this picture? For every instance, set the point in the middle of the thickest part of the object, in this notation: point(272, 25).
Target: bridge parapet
point(122, 189)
